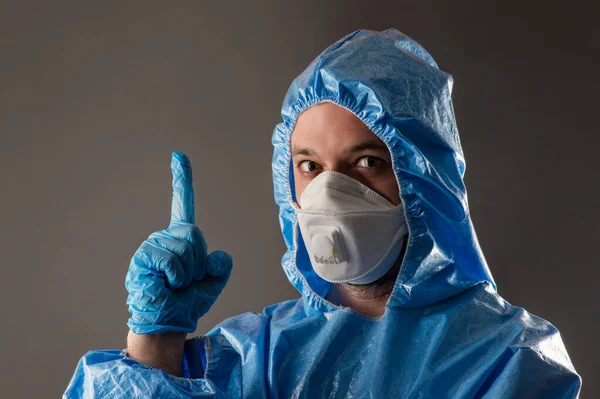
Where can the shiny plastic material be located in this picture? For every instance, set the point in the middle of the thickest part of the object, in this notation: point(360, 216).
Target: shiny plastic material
point(446, 333)
point(171, 281)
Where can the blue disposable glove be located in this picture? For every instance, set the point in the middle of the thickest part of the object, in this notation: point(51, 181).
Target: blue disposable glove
point(171, 281)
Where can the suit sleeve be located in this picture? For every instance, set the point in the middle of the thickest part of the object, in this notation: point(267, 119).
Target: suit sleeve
point(543, 371)
point(111, 374)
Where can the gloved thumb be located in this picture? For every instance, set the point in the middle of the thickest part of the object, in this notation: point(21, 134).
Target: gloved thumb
point(219, 264)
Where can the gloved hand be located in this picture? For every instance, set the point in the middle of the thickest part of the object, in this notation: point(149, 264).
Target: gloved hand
point(171, 281)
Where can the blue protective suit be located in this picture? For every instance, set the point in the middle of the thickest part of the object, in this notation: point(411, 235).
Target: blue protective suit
point(445, 333)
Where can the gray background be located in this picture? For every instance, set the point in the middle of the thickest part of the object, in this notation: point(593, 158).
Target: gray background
point(95, 96)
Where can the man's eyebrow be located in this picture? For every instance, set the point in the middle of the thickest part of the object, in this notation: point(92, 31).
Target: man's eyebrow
point(303, 151)
point(364, 146)
point(367, 145)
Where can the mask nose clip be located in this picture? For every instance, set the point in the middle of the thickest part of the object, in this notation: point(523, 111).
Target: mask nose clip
point(327, 245)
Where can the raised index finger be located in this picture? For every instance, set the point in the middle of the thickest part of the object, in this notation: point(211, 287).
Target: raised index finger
point(182, 207)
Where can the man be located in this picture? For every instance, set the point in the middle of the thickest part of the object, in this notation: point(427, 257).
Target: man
point(397, 300)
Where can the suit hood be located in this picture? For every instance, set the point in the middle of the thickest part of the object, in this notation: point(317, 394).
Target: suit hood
point(395, 87)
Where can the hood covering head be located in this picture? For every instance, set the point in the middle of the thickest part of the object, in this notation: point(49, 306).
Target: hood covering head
point(395, 87)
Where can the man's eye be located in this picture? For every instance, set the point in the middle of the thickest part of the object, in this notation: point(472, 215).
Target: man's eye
point(308, 166)
point(369, 162)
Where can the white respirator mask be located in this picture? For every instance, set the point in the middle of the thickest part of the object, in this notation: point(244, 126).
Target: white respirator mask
point(351, 233)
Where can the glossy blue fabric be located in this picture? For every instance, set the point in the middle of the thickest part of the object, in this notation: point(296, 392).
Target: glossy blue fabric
point(446, 333)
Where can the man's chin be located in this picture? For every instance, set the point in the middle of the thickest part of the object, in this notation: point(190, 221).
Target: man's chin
point(378, 288)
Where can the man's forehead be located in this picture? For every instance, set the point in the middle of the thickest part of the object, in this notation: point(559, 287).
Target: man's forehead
point(329, 114)
point(329, 127)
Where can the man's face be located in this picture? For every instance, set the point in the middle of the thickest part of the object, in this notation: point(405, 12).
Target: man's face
point(328, 137)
